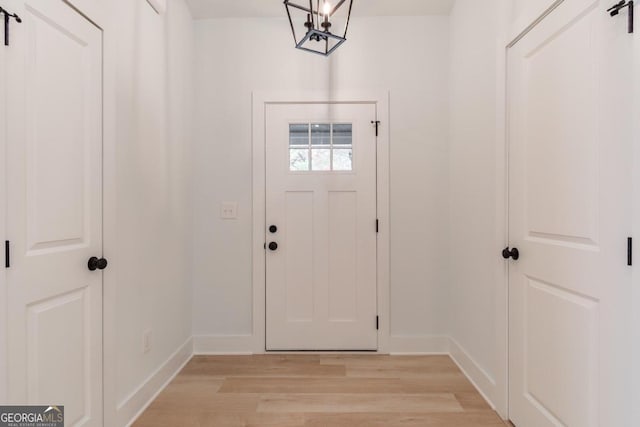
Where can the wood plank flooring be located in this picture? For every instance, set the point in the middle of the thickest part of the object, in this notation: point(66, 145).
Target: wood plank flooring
point(320, 391)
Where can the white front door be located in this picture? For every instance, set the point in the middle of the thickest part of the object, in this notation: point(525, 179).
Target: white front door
point(54, 216)
point(570, 217)
point(321, 227)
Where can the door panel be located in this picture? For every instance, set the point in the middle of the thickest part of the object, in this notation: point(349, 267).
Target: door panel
point(54, 216)
point(321, 194)
point(343, 250)
point(569, 210)
point(299, 255)
point(57, 350)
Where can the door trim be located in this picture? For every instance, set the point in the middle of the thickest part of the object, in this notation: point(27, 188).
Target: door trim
point(102, 15)
point(4, 392)
point(260, 100)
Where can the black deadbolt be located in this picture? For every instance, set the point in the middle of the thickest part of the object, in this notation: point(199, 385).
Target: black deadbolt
point(96, 263)
point(513, 253)
point(273, 246)
point(273, 229)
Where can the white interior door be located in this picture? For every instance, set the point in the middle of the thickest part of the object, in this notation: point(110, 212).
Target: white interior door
point(570, 217)
point(321, 202)
point(54, 217)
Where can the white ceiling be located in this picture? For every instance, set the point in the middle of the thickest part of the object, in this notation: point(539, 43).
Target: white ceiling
point(203, 9)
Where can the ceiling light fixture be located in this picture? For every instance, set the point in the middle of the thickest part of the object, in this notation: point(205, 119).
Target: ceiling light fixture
point(315, 22)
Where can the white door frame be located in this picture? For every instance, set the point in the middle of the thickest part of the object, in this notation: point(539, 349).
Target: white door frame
point(3, 233)
point(260, 101)
point(104, 16)
point(510, 34)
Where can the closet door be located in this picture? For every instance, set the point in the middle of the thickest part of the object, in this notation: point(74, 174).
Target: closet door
point(570, 181)
point(54, 215)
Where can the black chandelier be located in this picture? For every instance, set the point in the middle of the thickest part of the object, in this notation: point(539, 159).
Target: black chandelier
point(314, 23)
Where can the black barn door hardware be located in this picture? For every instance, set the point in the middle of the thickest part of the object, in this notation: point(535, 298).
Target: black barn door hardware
point(7, 254)
point(615, 10)
point(629, 251)
point(7, 17)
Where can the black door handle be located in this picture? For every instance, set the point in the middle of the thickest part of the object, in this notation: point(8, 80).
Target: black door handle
point(273, 246)
point(513, 253)
point(96, 263)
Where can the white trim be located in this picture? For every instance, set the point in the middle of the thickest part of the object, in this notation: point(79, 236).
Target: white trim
point(160, 6)
point(135, 404)
point(418, 345)
point(480, 379)
point(500, 394)
point(635, 272)
point(527, 21)
point(4, 347)
point(260, 99)
point(245, 344)
point(104, 16)
point(223, 344)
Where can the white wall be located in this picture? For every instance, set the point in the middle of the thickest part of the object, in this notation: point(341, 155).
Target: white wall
point(409, 57)
point(477, 276)
point(149, 272)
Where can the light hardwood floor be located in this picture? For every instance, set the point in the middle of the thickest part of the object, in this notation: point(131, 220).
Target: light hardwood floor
point(319, 391)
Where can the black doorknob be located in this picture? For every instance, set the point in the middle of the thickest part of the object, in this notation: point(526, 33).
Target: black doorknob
point(273, 246)
point(513, 253)
point(96, 263)
point(273, 229)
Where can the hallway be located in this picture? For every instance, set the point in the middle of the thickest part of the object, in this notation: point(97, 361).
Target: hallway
point(320, 390)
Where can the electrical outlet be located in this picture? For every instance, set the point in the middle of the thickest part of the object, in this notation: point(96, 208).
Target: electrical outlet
point(229, 210)
point(146, 341)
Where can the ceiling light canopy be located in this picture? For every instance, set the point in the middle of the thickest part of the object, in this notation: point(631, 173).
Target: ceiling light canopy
point(312, 22)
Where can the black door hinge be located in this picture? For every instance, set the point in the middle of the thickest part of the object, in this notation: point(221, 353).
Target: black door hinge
point(377, 123)
point(7, 18)
point(616, 8)
point(7, 254)
point(377, 323)
point(630, 251)
point(377, 225)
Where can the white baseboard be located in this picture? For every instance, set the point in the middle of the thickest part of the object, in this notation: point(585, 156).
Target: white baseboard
point(133, 405)
point(223, 344)
point(418, 344)
point(482, 381)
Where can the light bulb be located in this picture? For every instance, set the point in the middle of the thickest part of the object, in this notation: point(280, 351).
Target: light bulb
point(327, 8)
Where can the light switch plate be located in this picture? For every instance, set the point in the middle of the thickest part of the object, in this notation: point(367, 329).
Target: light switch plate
point(229, 210)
